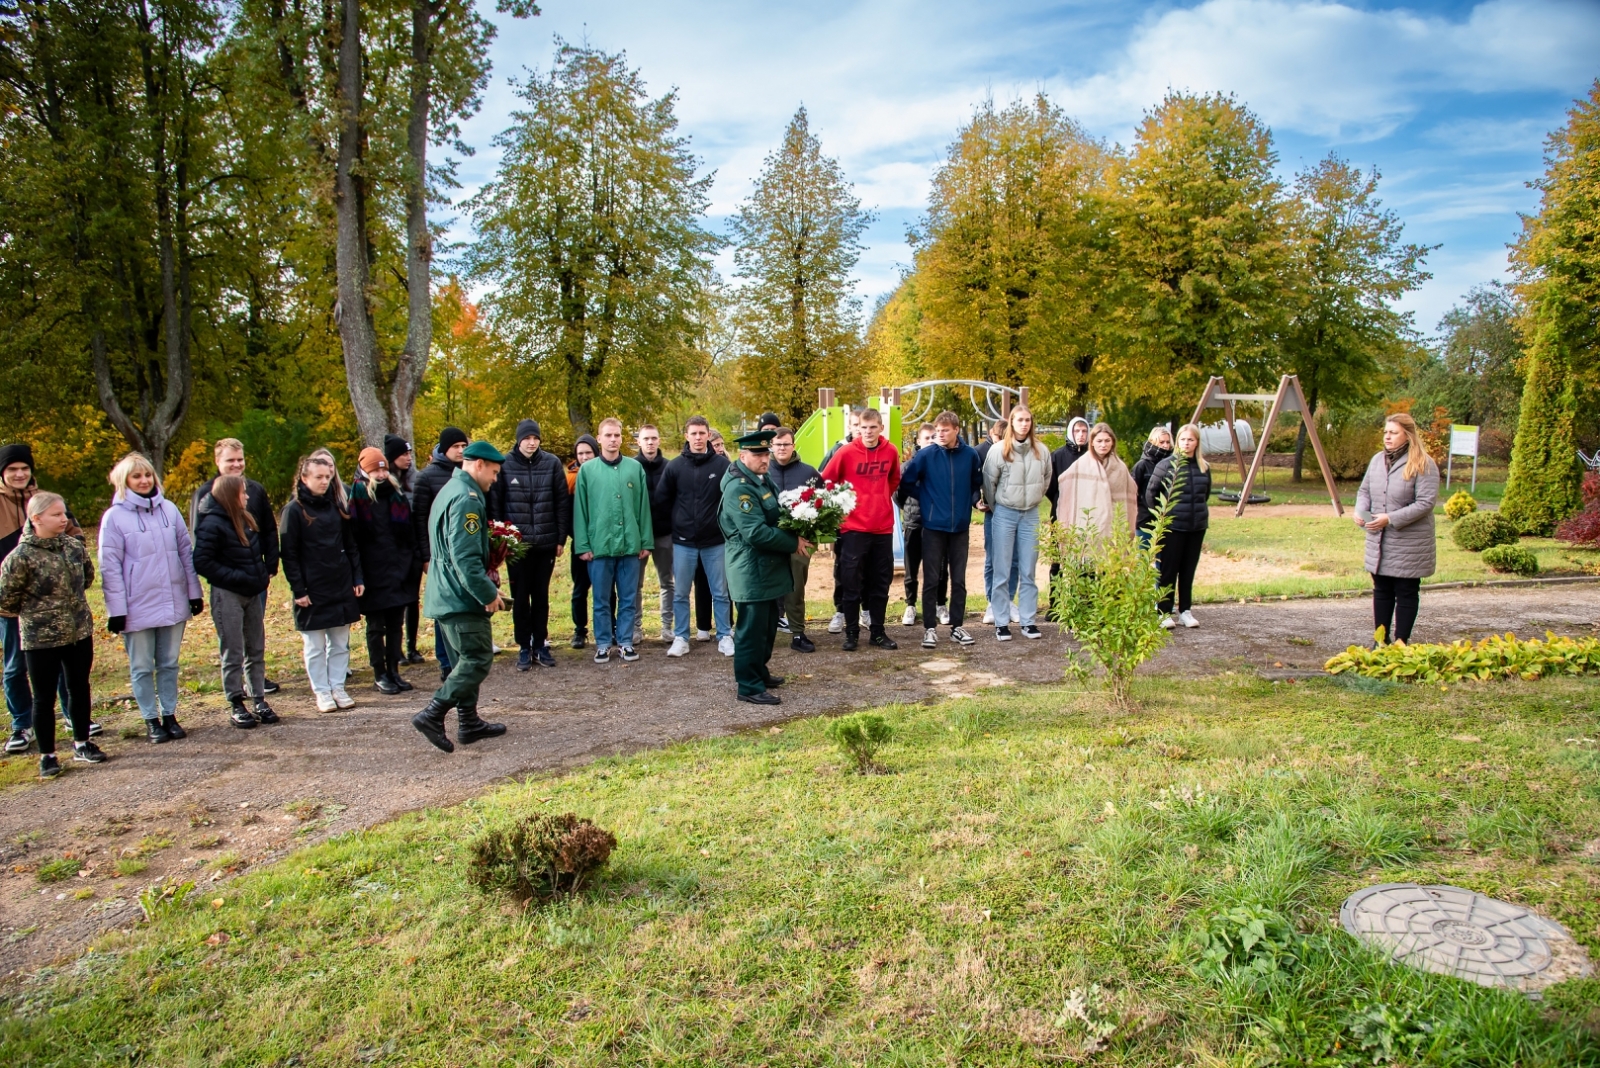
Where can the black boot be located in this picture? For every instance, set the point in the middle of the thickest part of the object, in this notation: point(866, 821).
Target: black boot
point(264, 711)
point(394, 677)
point(882, 640)
point(156, 732)
point(852, 639)
point(384, 683)
point(469, 728)
point(430, 721)
point(240, 715)
point(580, 638)
point(173, 730)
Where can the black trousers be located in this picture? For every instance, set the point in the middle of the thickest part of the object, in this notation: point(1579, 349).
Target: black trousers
point(1394, 607)
point(45, 668)
point(413, 621)
point(944, 559)
point(754, 629)
point(385, 632)
point(914, 558)
point(866, 569)
point(580, 594)
point(530, 596)
point(702, 598)
point(1180, 556)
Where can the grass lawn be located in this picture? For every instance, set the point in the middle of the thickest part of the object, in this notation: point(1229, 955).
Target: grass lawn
point(767, 907)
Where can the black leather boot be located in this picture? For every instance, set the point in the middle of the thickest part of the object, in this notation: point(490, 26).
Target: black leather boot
point(852, 639)
point(156, 732)
point(384, 683)
point(173, 729)
point(241, 716)
point(430, 721)
point(264, 711)
point(469, 728)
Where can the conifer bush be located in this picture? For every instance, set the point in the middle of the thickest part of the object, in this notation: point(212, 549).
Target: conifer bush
point(1461, 503)
point(539, 856)
point(1483, 530)
point(861, 737)
point(1511, 559)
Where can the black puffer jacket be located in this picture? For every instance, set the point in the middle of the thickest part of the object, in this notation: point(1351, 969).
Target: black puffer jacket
point(430, 480)
point(691, 494)
point(1060, 460)
point(260, 508)
point(220, 559)
point(1141, 472)
point(320, 560)
point(1190, 512)
point(660, 515)
point(387, 542)
point(793, 475)
point(532, 495)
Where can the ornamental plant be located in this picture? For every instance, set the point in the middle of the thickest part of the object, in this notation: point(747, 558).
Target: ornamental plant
point(1495, 657)
point(861, 736)
point(1511, 559)
point(539, 856)
point(1461, 503)
point(1584, 527)
point(816, 510)
point(1483, 530)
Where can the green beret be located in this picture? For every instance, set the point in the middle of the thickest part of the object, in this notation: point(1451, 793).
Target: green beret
point(482, 450)
point(756, 440)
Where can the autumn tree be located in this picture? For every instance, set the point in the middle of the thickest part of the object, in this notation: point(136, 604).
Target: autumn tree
point(1472, 367)
point(591, 237)
point(796, 241)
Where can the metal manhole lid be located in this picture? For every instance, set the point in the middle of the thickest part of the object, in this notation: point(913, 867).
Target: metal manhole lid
point(1460, 932)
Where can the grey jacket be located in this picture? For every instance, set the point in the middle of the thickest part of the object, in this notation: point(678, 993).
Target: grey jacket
point(1020, 484)
point(1404, 549)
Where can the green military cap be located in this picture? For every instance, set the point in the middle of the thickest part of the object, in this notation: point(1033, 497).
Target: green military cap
point(482, 450)
point(756, 440)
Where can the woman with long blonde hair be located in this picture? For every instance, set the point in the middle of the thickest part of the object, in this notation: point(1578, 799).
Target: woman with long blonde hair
point(1395, 507)
point(323, 565)
point(1182, 482)
point(1016, 477)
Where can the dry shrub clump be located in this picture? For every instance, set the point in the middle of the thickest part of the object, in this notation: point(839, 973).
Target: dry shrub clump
point(540, 856)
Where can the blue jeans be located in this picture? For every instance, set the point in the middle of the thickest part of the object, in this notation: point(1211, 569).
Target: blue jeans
point(19, 695)
point(988, 563)
point(619, 573)
point(684, 560)
point(1016, 551)
point(153, 665)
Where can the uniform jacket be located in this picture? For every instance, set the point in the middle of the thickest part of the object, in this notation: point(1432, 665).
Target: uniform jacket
point(690, 493)
point(429, 482)
point(147, 562)
point(946, 484)
point(221, 560)
point(1020, 484)
point(1405, 548)
point(874, 474)
point(1141, 472)
point(320, 560)
point(259, 505)
point(757, 560)
point(42, 583)
point(1190, 510)
point(532, 495)
point(458, 581)
point(386, 540)
point(611, 509)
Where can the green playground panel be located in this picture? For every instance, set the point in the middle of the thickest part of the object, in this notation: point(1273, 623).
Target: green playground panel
point(826, 426)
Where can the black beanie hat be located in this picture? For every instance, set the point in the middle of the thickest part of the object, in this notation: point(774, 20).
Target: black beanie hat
point(394, 447)
point(451, 435)
point(768, 419)
point(18, 452)
point(528, 428)
point(586, 439)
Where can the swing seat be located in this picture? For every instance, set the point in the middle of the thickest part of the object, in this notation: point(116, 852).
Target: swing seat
point(1232, 497)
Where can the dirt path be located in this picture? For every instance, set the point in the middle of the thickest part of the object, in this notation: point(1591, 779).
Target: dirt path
point(225, 800)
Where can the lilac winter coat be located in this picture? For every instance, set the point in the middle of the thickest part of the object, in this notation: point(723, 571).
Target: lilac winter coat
point(146, 562)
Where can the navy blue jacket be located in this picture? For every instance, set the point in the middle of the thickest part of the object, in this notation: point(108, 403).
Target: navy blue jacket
point(946, 483)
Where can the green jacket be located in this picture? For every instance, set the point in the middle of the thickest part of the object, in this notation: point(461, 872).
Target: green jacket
point(458, 531)
point(611, 509)
point(42, 583)
point(757, 556)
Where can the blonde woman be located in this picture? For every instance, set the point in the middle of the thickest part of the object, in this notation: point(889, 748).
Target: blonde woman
point(151, 588)
point(323, 566)
point(1157, 447)
point(1395, 507)
point(1184, 479)
point(1016, 477)
point(1096, 486)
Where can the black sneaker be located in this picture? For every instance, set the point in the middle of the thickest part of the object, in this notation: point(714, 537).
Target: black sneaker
point(49, 766)
point(960, 636)
point(544, 657)
point(602, 655)
point(240, 716)
point(801, 644)
point(883, 641)
point(629, 654)
point(579, 639)
point(156, 732)
point(87, 753)
point(268, 686)
point(762, 698)
point(1031, 631)
point(930, 638)
point(95, 729)
point(783, 624)
point(174, 731)
point(264, 712)
point(524, 660)
point(1002, 634)
point(19, 742)
point(852, 642)
point(384, 684)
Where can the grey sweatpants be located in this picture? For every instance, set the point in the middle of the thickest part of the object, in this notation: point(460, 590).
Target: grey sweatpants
point(661, 556)
point(242, 638)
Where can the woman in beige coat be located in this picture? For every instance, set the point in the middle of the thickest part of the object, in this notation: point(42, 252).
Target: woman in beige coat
point(1395, 507)
point(1096, 485)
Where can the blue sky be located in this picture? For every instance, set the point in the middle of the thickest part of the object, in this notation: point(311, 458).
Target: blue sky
point(1451, 101)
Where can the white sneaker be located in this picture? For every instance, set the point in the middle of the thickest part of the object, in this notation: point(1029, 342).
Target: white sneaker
point(496, 647)
point(910, 618)
point(326, 703)
point(866, 618)
point(638, 637)
point(679, 648)
point(988, 615)
point(667, 636)
point(725, 646)
point(702, 635)
point(944, 615)
point(1188, 620)
point(1167, 622)
point(836, 624)
point(342, 699)
point(930, 638)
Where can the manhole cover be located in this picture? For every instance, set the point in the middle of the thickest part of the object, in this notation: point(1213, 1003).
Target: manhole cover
point(1458, 932)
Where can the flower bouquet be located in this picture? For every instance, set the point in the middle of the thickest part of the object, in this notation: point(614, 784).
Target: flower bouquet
point(505, 544)
point(815, 511)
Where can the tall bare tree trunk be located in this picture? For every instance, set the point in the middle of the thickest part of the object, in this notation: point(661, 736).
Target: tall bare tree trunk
point(413, 362)
point(357, 335)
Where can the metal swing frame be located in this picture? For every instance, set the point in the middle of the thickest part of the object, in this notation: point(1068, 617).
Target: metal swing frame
point(1289, 398)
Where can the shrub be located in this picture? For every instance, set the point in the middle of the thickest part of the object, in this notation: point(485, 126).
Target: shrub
point(1494, 657)
point(1482, 530)
point(539, 856)
point(1511, 559)
point(1584, 528)
point(1255, 941)
point(1461, 503)
point(861, 736)
point(59, 870)
point(1350, 446)
point(1542, 487)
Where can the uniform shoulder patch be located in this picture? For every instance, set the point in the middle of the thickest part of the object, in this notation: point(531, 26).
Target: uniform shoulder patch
point(746, 502)
point(473, 523)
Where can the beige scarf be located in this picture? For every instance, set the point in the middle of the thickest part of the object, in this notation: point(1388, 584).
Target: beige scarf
point(1099, 489)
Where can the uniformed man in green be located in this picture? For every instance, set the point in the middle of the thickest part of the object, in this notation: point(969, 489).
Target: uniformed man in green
point(757, 564)
point(461, 597)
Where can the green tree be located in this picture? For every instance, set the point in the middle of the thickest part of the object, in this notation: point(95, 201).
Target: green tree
point(1349, 266)
point(797, 238)
point(1472, 367)
point(1009, 279)
point(1196, 219)
point(591, 236)
point(1558, 262)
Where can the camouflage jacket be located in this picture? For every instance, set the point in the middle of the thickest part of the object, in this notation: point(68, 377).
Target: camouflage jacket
point(42, 582)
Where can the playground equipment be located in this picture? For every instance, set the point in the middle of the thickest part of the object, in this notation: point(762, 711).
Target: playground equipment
point(1289, 398)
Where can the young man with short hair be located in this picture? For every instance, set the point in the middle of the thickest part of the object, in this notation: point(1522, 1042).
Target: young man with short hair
point(654, 462)
point(397, 453)
point(946, 479)
point(911, 527)
point(612, 531)
point(531, 494)
point(690, 493)
point(786, 471)
point(866, 539)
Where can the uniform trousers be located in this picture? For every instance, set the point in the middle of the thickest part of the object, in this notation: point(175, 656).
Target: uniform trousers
point(753, 634)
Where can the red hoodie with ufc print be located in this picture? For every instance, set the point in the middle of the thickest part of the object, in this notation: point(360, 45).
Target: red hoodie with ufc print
point(874, 473)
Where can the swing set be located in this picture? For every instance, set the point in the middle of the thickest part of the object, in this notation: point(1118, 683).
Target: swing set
point(1289, 398)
